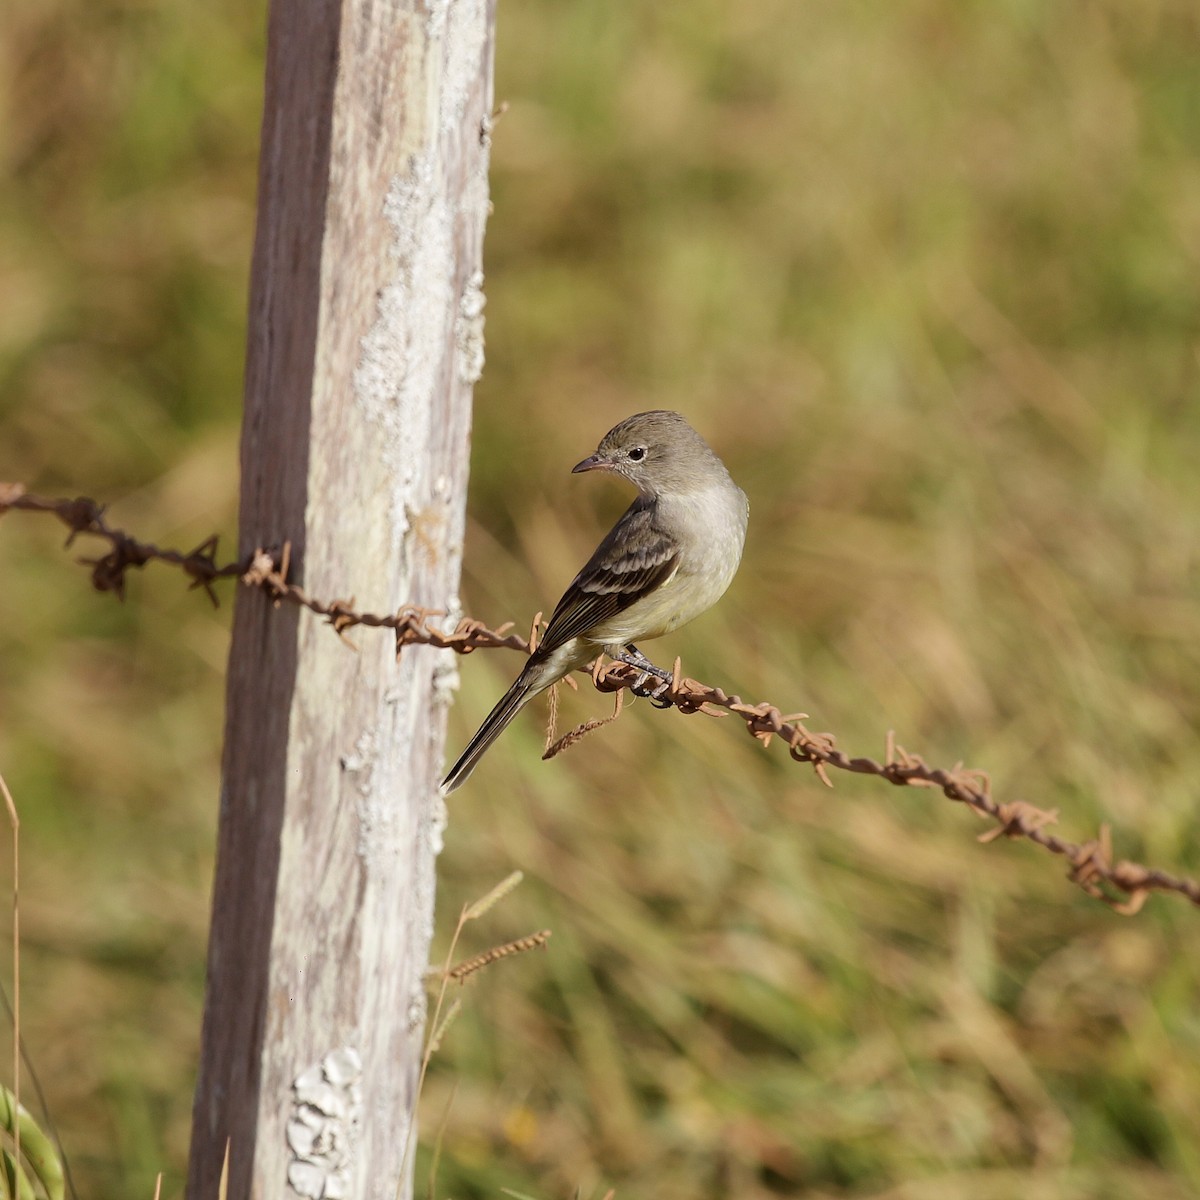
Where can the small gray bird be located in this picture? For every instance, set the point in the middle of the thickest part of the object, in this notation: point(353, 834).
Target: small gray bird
point(670, 556)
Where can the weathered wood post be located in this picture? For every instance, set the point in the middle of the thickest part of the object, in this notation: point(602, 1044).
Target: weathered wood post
point(365, 337)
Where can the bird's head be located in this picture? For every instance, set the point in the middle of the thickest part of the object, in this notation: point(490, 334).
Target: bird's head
point(656, 451)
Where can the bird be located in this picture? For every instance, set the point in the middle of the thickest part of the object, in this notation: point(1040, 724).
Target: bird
point(670, 557)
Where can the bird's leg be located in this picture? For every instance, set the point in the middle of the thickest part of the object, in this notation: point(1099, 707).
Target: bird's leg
point(633, 657)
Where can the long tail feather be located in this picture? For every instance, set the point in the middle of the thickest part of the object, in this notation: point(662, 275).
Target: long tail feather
point(511, 703)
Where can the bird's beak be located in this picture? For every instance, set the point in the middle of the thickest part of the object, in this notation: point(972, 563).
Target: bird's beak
point(594, 462)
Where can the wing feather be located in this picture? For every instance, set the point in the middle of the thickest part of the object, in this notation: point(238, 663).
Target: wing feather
point(633, 560)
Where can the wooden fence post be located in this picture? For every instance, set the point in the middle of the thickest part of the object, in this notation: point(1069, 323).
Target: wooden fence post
point(365, 337)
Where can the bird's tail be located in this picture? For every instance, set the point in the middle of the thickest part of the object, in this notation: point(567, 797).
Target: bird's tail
point(522, 691)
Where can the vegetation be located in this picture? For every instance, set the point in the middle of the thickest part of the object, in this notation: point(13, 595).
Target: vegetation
point(926, 274)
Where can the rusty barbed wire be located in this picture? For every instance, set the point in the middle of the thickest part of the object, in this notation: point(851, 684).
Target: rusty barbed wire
point(1091, 862)
point(83, 515)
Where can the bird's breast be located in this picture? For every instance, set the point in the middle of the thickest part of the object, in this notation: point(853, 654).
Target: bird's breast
point(710, 529)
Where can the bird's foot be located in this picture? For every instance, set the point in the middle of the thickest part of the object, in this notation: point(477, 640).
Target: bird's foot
point(655, 692)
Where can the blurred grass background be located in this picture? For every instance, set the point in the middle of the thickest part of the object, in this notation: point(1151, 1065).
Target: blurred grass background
point(925, 274)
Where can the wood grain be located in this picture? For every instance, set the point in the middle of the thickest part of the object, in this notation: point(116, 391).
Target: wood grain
point(365, 337)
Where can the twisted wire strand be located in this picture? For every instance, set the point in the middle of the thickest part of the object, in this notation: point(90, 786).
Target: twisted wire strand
point(1121, 884)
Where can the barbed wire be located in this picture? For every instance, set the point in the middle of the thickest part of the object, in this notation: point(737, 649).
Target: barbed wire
point(82, 515)
point(1123, 885)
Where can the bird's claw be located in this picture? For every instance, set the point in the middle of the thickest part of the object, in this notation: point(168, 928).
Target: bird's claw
point(655, 692)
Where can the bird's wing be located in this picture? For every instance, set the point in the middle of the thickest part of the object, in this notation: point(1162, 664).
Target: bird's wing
point(633, 560)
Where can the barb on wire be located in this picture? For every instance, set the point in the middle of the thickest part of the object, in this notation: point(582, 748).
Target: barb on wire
point(82, 515)
point(1122, 885)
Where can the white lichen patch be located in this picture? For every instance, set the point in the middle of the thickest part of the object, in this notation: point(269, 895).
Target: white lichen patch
point(418, 1006)
point(322, 1132)
point(446, 681)
point(361, 761)
point(397, 376)
point(446, 678)
point(435, 836)
point(380, 824)
point(435, 19)
point(466, 35)
point(468, 330)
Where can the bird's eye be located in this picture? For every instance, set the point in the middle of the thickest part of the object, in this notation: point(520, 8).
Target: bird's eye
point(637, 454)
